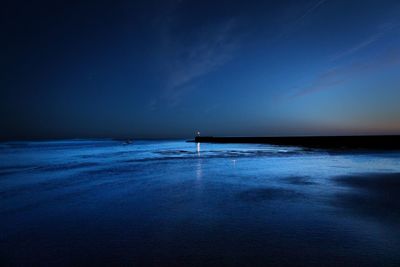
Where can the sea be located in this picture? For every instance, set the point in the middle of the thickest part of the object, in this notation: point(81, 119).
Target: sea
point(178, 203)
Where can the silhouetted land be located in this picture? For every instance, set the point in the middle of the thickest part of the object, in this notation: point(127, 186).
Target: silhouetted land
point(384, 142)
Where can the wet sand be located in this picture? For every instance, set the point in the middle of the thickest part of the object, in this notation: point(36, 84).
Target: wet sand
point(374, 195)
point(173, 203)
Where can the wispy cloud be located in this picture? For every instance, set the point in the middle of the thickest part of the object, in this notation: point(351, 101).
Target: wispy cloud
point(340, 75)
point(323, 81)
point(210, 50)
point(310, 10)
point(185, 61)
point(380, 33)
point(343, 73)
point(306, 13)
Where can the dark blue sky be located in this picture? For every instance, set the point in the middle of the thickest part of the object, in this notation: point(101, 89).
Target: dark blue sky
point(168, 68)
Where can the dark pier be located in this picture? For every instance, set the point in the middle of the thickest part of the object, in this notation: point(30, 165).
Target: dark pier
point(376, 142)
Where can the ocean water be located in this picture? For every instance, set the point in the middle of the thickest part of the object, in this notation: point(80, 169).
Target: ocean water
point(174, 203)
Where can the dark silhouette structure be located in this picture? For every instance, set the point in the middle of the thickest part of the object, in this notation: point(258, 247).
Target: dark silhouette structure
point(379, 142)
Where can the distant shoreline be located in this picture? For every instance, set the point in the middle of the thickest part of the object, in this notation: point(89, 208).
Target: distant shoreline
point(379, 142)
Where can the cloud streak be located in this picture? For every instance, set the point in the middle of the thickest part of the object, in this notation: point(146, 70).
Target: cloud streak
point(384, 29)
point(308, 12)
point(209, 51)
point(340, 75)
point(186, 60)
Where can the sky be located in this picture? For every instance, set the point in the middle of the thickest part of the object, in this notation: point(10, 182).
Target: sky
point(165, 69)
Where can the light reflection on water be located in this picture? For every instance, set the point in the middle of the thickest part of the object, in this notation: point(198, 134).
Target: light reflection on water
point(198, 149)
point(172, 202)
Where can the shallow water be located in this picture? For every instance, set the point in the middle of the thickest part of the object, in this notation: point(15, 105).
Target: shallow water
point(159, 203)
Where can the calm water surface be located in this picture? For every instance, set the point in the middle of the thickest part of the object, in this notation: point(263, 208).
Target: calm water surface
point(163, 203)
